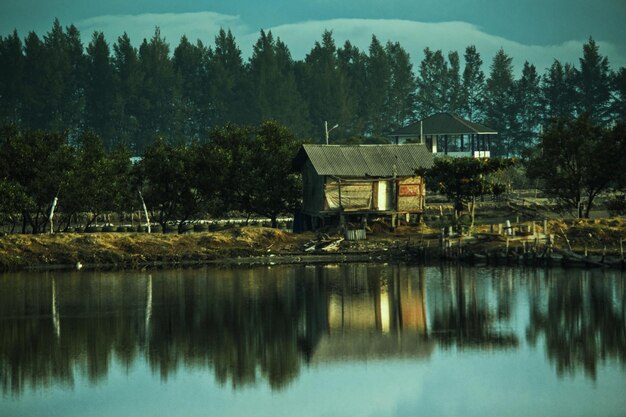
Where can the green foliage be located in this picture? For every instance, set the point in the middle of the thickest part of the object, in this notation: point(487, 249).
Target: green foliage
point(463, 180)
point(276, 188)
point(593, 84)
point(169, 184)
point(473, 85)
point(98, 182)
point(577, 160)
point(35, 165)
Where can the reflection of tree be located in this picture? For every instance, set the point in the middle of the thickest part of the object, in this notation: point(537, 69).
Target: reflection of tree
point(241, 323)
point(583, 322)
point(463, 318)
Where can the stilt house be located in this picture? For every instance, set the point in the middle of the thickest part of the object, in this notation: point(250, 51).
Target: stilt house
point(448, 134)
point(361, 180)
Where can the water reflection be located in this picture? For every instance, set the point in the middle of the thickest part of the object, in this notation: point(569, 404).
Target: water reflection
point(581, 320)
point(247, 325)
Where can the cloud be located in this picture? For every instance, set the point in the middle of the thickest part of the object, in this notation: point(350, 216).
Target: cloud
point(300, 37)
point(200, 25)
point(447, 36)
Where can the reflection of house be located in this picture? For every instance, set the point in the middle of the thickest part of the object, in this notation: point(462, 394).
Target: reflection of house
point(361, 179)
point(387, 321)
point(448, 134)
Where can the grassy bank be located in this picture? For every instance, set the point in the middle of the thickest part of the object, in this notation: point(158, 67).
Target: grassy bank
point(133, 250)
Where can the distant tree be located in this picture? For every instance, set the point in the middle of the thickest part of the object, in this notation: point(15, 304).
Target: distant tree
point(159, 92)
point(100, 90)
point(473, 85)
point(11, 79)
point(352, 64)
point(377, 89)
point(432, 81)
point(324, 87)
point(593, 84)
point(558, 88)
point(463, 180)
point(35, 112)
point(277, 188)
point(500, 105)
point(54, 80)
point(455, 85)
point(274, 88)
point(126, 107)
point(618, 108)
point(527, 95)
point(402, 100)
point(227, 82)
point(193, 110)
point(576, 161)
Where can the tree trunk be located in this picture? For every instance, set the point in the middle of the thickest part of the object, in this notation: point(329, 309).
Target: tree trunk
point(274, 220)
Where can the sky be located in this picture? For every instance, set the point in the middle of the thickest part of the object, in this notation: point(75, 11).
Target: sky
point(537, 31)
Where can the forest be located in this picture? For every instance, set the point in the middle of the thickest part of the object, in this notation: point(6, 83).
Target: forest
point(130, 95)
point(214, 133)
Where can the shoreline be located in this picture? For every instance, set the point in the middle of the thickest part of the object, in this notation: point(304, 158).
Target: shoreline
point(250, 246)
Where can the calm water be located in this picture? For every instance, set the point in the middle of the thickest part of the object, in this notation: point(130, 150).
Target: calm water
point(350, 340)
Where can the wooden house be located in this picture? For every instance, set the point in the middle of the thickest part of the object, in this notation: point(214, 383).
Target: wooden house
point(361, 180)
point(450, 135)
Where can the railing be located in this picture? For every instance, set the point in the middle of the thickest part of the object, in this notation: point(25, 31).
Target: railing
point(465, 154)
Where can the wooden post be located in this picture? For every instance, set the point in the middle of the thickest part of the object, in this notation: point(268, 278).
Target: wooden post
point(545, 226)
point(499, 228)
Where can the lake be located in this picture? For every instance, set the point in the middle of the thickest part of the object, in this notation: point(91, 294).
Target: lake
point(333, 340)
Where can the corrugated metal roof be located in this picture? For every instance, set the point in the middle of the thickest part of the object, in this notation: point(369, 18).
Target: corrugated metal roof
point(444, 124)
point(365, 160)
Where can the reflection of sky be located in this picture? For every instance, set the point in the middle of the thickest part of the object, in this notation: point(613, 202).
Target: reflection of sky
point(509, 383)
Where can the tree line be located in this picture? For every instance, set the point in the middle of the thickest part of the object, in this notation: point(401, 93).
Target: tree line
point(130, 96)
point(238, 169)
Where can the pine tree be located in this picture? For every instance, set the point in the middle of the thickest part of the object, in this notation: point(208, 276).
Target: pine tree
point(402, 92)
point(100, 90)
point(11, 79)
point(377, 89)
point(529, 108)
point(455, 86)
point(432, 81)
point(276, 96)
point(128, 77)
point(193, 108)
point(159, 90)
point(227, 81)
point(619, 100)
point(593, 83)
point(558, 92)
point(473, 86)
point(352, 64)
point(500, 106)
point(324, 87)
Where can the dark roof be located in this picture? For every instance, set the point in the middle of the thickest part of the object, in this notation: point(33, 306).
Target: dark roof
point(365, 160)
point(444, 124)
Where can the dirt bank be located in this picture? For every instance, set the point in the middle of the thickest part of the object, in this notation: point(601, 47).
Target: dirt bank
point(268, 246)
